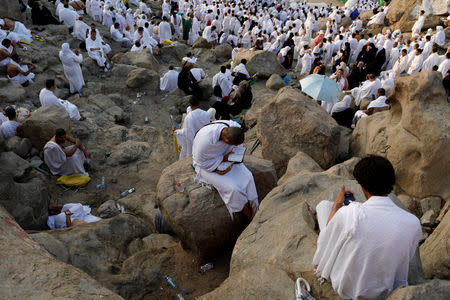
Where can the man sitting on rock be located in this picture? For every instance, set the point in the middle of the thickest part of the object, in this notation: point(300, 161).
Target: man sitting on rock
point(7, 49)
point(374, 106)
point(364, 249)
point(193, 122)
point(65, 160)
point(8, 128)
point(212, 147)
point(169, 81)
point(47, 99)
point(95, 49)
point(68, 215)
point(19, 71)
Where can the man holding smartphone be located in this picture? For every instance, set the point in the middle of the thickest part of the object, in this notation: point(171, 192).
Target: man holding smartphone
point(364, 249)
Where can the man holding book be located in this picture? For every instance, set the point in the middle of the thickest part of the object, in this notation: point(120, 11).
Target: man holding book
point(218, 154)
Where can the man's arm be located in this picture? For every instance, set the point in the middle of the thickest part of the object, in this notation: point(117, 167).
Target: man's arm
point(338, 203)
point(68, 220)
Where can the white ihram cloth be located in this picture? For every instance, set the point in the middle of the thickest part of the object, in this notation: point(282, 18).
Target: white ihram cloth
point(79, 30)
point(439, 36)
point(367, 89)
point(237, 187)
point(68, 17)
point(169, 81)
point(72, 69)
point(417, 27)
point(193, 122)
point(79, 212)
point(401, 66)
point(416, 65)
point(366, 248)
point(97, 55)
point(444, 67)
point(377, 103)
point(430, 62)
point(47, 99)
point(164, 31)
point(240, 68)
point(223, 80)
point(60, 164)
point(20, 78)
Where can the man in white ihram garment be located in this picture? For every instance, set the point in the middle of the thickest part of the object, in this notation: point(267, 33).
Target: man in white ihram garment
point(65, 160)
point(95, 50)
point(211, 151)
point(164, 31)
point(368, 89)
point(417, 27)
point(68, 16)
point(47, 98)
point(71, 61)
point(169, 81)
point(68, 215)
point(194, 121)
point(364, 249)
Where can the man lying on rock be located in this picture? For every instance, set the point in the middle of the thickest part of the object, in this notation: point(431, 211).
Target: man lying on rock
point(65, 160)
point(212, 147)
point(364, 249)
point(68, 215)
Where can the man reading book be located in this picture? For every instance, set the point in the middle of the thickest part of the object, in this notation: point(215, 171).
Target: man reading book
point(218, 155)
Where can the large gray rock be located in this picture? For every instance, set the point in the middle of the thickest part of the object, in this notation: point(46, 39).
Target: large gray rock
point(141, 59)
point(128, 152)
point(223, 51)
point(301, 162)
point(23, 192)
point(143, 79)
point(100, 249)
point(10, 9)
point(435, 251)
point(198, 216)
point(20, 146)
point(174, 54)
point(11, 91)
point(260, 62)
point(37, 275)
point(275, 82)
point(312, 130)
point(280, 240)
point(414, 135)
point(41, 126)
point(201, 43)
point(432, 290)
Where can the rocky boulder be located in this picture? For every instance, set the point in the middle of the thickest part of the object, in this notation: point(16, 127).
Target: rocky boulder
point(10, 9)
point(434, 252)
point(260, 62)
point(198, 215)
point(141, 59)
point(279, 239)
point(23, 192)
point(201, 43)
point(275, 82)
point(20, 146)
point(413, 135)
point(143, 79)
point(223, 51)
point(41, 125)
point(434, 290)
point(10, 91)
point(301, 162)
point(101, 250)
point(37, 275)
point(312, 130)
point(128, 152)
point(173, 54)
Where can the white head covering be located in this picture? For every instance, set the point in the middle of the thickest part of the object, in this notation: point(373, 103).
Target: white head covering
point(66, 54)
point(212, 114)
point(341, 105)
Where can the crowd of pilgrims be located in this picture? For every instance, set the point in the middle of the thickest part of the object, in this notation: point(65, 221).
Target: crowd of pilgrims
point(363, 65)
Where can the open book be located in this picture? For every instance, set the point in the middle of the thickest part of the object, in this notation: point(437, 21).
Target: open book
point(237, 155)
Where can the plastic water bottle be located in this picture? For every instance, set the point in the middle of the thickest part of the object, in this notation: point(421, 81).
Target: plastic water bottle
point(123, 194)
point(180, 297)
point(171, 282)
point(180, 187)
point(206, 267)
point(102, 185)
point(146, 120)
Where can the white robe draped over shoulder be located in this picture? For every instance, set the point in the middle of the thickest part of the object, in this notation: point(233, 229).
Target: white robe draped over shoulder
point(193, 122)
point(72, 69)
point(60, 164)
point(47, 98)
point(79, 212)
point(169, 81)
point(237, 187)
point(366, 248)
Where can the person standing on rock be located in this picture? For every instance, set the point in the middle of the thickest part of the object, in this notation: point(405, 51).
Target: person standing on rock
point(211, 152)
point(47, 98)
point(164, 30)
point(193, 122)
point(71, 60)
point(364, 249)
point(417, 27)
point(65, 160)
point(187, 25)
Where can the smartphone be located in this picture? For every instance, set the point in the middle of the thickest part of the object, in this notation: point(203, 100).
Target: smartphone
point(348, 197)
